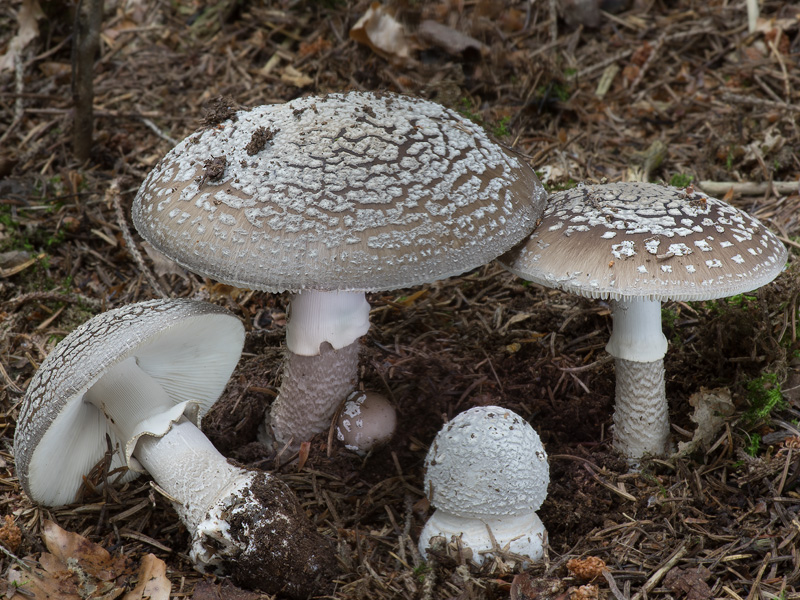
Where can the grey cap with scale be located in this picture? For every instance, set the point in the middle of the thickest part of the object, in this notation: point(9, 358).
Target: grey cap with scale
point(642, 240)
point(357, 191)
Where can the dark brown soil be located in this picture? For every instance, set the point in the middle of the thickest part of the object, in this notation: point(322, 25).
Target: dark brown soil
point(722, 103)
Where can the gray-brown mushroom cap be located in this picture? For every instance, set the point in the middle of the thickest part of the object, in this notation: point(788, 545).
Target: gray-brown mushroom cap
point(648, 241)
point(356, 191)
point(182, 344)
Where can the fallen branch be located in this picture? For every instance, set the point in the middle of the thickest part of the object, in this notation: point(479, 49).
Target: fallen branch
point(749, 188)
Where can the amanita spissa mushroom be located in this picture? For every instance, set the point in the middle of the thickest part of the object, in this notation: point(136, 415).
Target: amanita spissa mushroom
point(638, 244)
point(142, 376)
point(486, 473)
point(331, 197)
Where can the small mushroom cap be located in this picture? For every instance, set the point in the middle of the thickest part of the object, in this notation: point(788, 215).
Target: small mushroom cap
point(642, 240)
point(359, 191)
point(366, 420)
point(487, 462)
point(190, 348)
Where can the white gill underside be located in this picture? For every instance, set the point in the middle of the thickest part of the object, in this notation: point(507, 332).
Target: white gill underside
point(134, 404)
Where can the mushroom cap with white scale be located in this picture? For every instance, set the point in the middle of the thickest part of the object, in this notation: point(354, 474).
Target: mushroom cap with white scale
point(487, 468)
point(638, 244)
point(142, 376)
point(330, 197)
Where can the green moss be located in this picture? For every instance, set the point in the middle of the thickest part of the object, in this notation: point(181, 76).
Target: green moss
point(764, 397)
point(681, 180)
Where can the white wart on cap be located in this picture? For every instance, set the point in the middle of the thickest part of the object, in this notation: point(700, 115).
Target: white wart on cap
point(638, 244)
point(487, 468)
point(330, 197)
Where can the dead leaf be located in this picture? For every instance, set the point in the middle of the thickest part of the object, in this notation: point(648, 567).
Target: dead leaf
point(28, 16)
point(226, 591)
point(526, 587)
point(153, 582)
point(691, 582)
point(383, 34)
point(450, 40)
point(710, 409)
point(77, 569)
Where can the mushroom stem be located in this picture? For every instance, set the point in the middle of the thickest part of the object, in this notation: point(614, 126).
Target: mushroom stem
point(517, 534)
point(125, 393)
point(321, 368)
point(315, 317)
point(641, 415)
point(311, 390)
point(189, 469)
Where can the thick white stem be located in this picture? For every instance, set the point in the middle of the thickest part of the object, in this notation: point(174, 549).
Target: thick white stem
point(637, 333)
point(311, 390)
point(521, 534)
point(189, 469)
point(641, 414)
point(339, 318)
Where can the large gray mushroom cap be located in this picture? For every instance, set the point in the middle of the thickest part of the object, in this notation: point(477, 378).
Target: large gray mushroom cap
point(640, 240)
point(189, 348)
point(357, 191)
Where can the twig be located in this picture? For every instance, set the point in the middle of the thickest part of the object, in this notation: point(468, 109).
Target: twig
point(152, 126)
point(53, 297)
point(656, 577)
point(612, 585)
point(752, 101)
point(749, 188)
point(112, 194)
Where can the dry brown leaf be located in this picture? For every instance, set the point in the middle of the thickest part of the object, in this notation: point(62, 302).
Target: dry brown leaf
point(383, 34)
point(450, 40)
point(153, 582)
point(692, 582)
point(710, 409)
point(28, 16)
point(588, 568)
point(76, 569)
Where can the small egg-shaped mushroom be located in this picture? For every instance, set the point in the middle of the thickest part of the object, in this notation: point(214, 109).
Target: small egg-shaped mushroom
point(486, 473)
point(366, 421)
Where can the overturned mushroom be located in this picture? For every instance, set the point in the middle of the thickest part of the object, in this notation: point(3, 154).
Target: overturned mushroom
point(349, 193)
point(142, 376)
point(638, 244)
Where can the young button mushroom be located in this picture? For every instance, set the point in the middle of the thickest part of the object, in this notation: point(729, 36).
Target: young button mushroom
point(366, 420)
point(638, 244)
point(486, 473)
point(330, 197)
point(142, 376)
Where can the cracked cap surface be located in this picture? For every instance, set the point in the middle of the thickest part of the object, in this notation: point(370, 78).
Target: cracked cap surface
point(642, 240)
point(356, 191)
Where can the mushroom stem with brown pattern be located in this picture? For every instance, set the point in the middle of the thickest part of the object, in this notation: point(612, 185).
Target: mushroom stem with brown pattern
point(636, 244)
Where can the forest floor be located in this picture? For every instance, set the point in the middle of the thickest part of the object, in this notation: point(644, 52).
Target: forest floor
point(683, 82)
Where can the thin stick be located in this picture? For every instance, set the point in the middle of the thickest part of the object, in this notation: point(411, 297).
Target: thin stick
point(113, 194)
point(749, 188)
point(656, 577)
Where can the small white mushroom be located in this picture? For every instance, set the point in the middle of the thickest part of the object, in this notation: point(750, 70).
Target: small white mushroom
point(640, 244)
point(330, 197)
point(486, 473)
point(367, 420)
point(142, 376)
